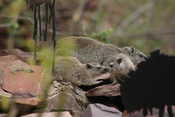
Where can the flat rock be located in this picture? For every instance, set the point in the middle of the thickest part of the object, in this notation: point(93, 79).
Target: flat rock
point(67, 98)
point(18, 77)
point(25, 56)
point(49, 114)
point(105, 90)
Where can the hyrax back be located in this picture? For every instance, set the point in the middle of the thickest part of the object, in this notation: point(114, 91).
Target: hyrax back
point(88, 50)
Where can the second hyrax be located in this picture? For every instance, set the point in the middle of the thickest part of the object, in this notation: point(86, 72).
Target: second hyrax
point(69, 69)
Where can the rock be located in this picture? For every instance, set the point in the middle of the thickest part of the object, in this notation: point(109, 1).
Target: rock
point(100, 110)
point(4, 93)
point(24, 56)
point(22, 106)
point(49, 114)
point(67, 98)
point(19, 65)
point(3, 115)
point(105, 90)
point(33, 101)
point(20, 83)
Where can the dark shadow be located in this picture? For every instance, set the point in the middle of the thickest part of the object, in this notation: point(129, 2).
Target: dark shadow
point(151, 85)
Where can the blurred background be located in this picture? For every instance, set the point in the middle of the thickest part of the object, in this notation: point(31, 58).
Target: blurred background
point(143, 24)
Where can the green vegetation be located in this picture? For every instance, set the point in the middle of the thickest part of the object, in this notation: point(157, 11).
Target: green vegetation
point(66, 47)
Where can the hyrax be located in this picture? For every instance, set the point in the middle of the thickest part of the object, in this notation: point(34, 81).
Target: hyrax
point(69, 69)
point(96, 69)
point(135, 55)
point(119, 65)
point(88, 50)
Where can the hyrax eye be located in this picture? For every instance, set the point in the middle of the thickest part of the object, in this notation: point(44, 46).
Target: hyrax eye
point(119, 60)
point(111, 64)
point(88, 66)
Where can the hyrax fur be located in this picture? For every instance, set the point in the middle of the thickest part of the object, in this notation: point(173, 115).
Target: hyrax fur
point(96, 69)
point(135, 55)
point(119, 65)
point(69, 69)
point(88, 50)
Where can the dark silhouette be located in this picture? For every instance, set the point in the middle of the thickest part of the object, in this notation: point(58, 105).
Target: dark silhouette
point(151, 85)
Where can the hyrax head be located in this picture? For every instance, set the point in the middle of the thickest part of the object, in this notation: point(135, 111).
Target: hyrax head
point(135, 55)
point(96, 69)
point(119, 64)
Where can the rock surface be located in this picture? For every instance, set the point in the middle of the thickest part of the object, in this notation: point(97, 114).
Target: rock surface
point(49, 114)
point(105, 90)
point(20, 78)
point(67, 98)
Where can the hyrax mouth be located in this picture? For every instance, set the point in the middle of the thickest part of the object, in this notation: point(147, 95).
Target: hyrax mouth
point(102, 79)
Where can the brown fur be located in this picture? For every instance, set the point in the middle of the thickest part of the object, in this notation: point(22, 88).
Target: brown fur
point(88, 50)
point(69, 69)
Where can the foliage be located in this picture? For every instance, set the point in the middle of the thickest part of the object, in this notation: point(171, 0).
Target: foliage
point(104, 20)
point(103, 36)
point(46, 59)
point(66, 47)
point(5, 103)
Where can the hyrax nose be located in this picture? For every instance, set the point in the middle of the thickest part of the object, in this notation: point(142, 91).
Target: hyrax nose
point(105, 70)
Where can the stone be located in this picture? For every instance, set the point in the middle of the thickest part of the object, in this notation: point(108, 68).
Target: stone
point(66, 97)
point(19, 65)
point(100, 110)
point(20, 83)
point(49, 114)
point(105, 90)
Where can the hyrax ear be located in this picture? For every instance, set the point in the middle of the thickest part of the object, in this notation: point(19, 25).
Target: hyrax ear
point(89, 66)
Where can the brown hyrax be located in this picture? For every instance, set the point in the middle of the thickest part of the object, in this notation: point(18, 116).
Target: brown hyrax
point(135, 55)
point(96, 70)
point(119, 65)
point(69, 69)
point(87, 50)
